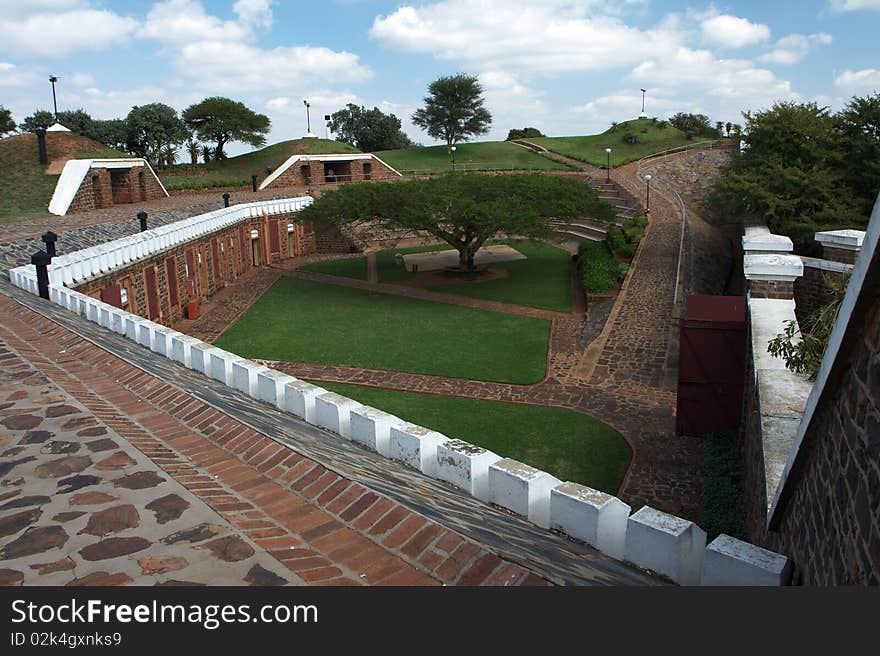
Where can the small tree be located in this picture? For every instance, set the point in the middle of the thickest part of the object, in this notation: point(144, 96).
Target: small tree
point(112, 133)
point(454, 109)
point(207, 151)
point(368, 129)
point(728, 126)
point(77, 120)
point(192, 147)
point(693, 124)
point(462, 210)
point(525, 133)
point(221, 120)
point(153, 129)
point(6, 122)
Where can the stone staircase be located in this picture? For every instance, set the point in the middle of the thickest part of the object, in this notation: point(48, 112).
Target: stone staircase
point(586, 229)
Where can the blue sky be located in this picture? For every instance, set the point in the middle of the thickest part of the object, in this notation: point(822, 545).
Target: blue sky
point(564, 67)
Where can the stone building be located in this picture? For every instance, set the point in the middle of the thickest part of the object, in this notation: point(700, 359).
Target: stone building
point(318, 170)
point(89, 184)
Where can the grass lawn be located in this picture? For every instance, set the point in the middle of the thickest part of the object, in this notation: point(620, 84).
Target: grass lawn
point(542, 280)
point(299, 321)
point(25, 189)
point(487, 155)
point(237, 171)
point(567, 444)
point(591, 149)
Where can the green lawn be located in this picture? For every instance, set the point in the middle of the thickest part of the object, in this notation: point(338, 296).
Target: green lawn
point(487, 155)
point(237, 171)
point(567, 444)
point(299, 321)
point(542, 280)
point(591, 149)
point(25, 189)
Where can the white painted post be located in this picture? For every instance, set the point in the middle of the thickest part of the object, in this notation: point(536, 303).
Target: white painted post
point(299, 398)
point(729, 561)
point(332, 411)
point(372, 428)
point(270, 386)
point(597, 518)
point(416, 446)
point(244, 376)
point(666, 544)
point(466, 466)
point(522, 489)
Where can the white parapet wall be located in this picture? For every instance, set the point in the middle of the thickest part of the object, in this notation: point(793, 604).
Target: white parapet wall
point(650, 539)
point(595, 517)
point(729, 561)
point(666, 544)
point(522, 489)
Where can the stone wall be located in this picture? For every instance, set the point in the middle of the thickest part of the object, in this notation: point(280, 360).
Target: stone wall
point(816, 288)
point(303, 173)
point(103, 187)
point(825, 510)
point(216, 259)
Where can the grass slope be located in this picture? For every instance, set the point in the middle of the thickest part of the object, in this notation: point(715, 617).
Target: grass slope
point(591, 149)
point(25, 189)
point(542, 280)
point(567, 444)
point(301, 321)
point(237, 171)
point(487, 155)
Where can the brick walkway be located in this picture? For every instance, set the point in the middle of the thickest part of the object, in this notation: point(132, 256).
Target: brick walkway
point(321, 527)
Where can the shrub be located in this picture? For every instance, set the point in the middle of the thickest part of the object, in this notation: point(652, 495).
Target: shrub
point(599, 270)
point(631, 139)
point(723, 509)
point(624, 241)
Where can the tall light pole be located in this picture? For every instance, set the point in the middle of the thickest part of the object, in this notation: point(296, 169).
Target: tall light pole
point(608, 165)
point(643, 115)
point(647, 193)
point(53, 79)
point(308, 119)
point(452, 152)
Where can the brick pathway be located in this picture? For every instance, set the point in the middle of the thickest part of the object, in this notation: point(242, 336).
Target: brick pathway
point(320, 526)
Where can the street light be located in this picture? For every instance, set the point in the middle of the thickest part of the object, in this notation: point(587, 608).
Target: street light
point(648, 193)
point(308, 119)
point(608, 166)
point(452, 152)
point(643, 115)
point(53, 79)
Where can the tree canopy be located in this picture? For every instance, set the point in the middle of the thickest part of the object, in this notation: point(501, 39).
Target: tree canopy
point(221, 120)
point(464, 210)
point(454, 109)
point(152, 129)
point(7, 124)
point(76, 120)
point(525, 133)
point(693, 124)
point(368, 129)
point(804, 169)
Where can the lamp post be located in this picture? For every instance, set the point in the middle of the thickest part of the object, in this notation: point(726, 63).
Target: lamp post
point(308, 119)
point(608, 165)
point(452, 152)
point(53, 79)
point(643, 101)
point(647, 193)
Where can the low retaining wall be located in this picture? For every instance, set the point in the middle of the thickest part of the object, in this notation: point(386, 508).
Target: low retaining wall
point(650, 539)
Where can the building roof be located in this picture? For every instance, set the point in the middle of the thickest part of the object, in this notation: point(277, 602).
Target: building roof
point(342, 157)
point(75, 172)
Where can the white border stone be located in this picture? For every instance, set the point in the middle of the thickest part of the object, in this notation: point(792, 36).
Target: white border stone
point(522, 489)
point(666, 544)
point(595, 517)
point(466, 466)
point(270, 386)
point(416, 446)
point(729, 561)
point(299, 398)
point(372, 428)
point(332, 411)
point(244, 376)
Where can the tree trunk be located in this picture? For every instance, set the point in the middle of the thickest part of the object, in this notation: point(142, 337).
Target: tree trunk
point(466, 259)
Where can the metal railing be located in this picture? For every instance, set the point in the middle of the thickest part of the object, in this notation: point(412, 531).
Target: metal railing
point(700, 145)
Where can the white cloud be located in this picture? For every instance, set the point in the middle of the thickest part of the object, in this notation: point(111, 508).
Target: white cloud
point(867, 79)
point(13, 76)
point(254, 12)
point(82, 80)
point(794, 47)
point(58, 35)
point(551, 36)
point(223, 66)
point(179, 22)
point(733, 32)
point(855, 5)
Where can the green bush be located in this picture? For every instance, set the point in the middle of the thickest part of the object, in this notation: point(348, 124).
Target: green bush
point(631, 139)
point(599, 270)
point(625, 240)
point(723, 509)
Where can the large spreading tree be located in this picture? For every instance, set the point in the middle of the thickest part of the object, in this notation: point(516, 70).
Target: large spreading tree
point(454, 110)
point(154, 129)
point(75, 120)
point(462, 210)
point(221, 120)
point(368, 129)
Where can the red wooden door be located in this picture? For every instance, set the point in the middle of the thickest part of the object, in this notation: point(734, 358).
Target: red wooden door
point(152, 293)
point(171, 275)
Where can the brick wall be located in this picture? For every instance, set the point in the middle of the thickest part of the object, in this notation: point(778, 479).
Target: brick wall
point(216, 259)
point(844, 255)
point(771, 289)
point(828, 517)
point(104, 187)
point(302, 173)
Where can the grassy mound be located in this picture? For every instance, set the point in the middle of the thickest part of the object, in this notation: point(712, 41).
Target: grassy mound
point(485, 156)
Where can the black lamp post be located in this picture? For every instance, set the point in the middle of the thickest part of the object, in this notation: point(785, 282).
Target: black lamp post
point(53, 79)
point(643, 101)
point(647, 193)
point(452, 152)
point(608, 165)
point(308, 118)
